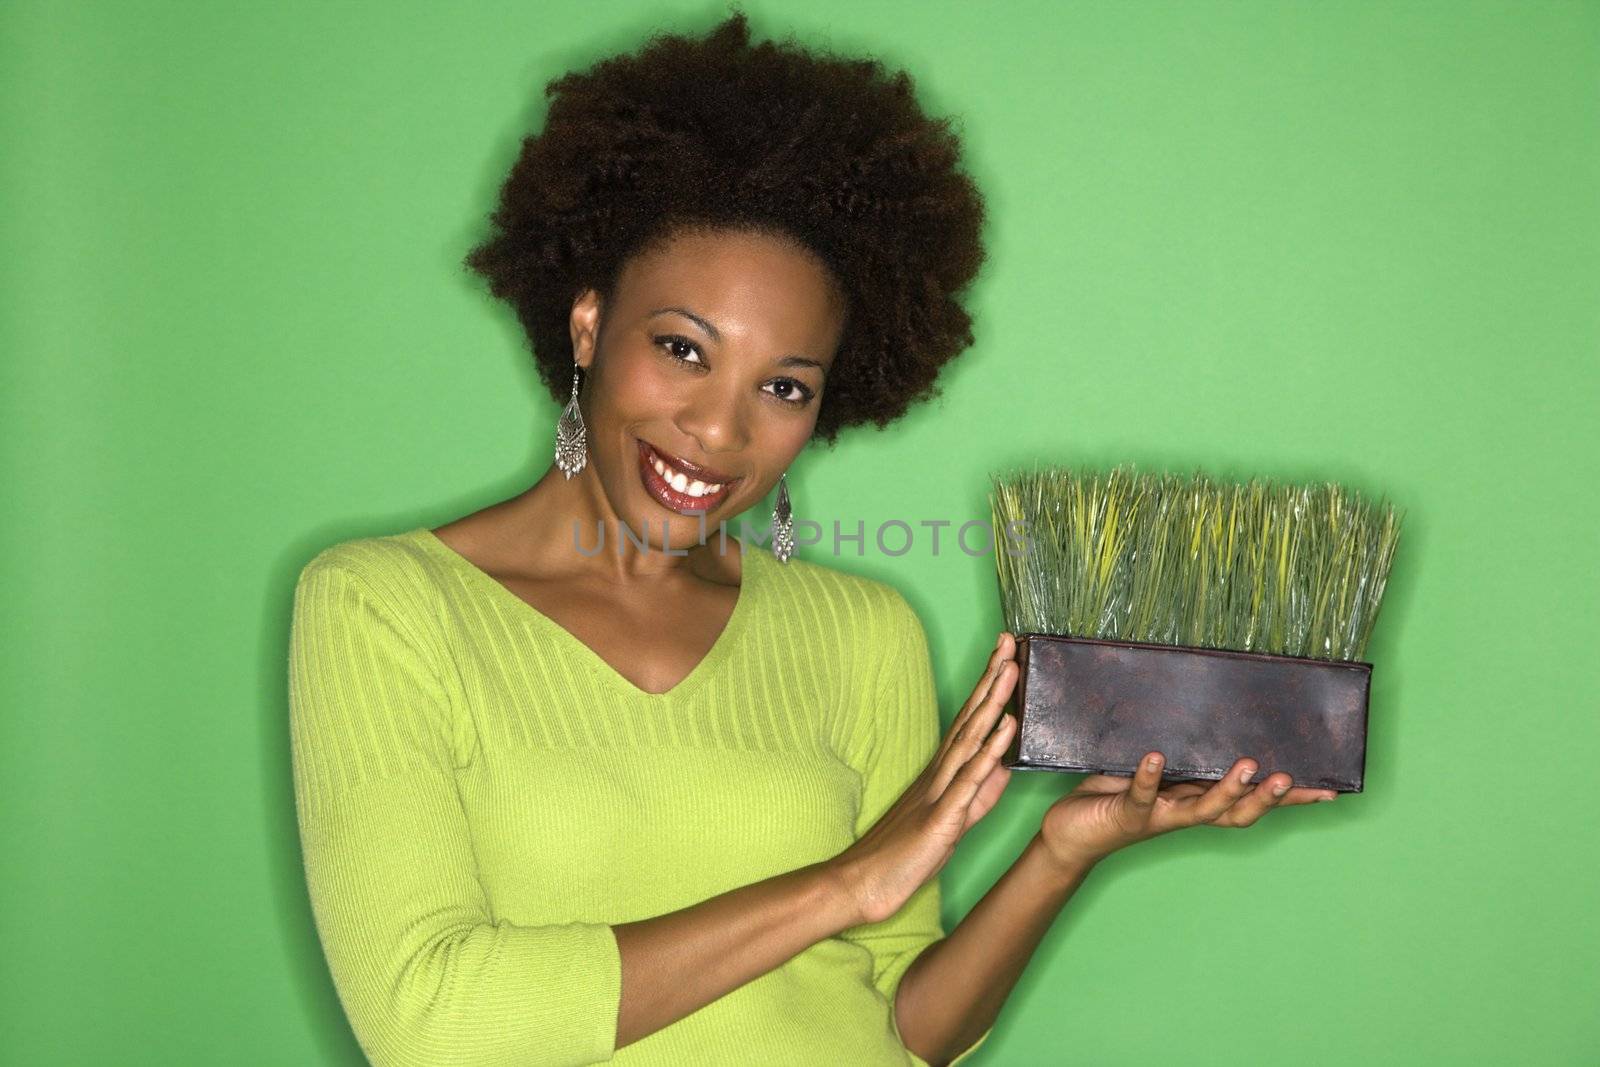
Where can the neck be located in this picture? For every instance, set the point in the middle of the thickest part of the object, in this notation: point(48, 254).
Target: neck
point(557, 523)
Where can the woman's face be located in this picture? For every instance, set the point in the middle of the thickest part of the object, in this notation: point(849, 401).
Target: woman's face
point(703, 375)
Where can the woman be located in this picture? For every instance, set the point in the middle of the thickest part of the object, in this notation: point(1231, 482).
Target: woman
point(585, 776)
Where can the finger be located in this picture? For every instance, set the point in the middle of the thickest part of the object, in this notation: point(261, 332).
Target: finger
point(959, 726)
point(931, 774)
point(1004, 650)
point(997, 655)
point(1184, 790)
point(1260, 800)
point(985, 682)
point(988, 794)
point(1140, 799)
point(968, 739)
point(964, 787)
point(1215, 802)
point(1300, 794)
point(968, 731)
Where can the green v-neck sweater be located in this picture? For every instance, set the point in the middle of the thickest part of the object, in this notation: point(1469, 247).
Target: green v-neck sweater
point(480, 797)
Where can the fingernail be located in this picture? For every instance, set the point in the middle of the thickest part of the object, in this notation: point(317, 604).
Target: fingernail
point(1278, 791)
point(1244, 775)
point(1153, 763)
point(1000, 640)
point(1325, 798)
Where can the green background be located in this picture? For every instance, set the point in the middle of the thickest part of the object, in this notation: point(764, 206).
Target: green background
point(1356, 241)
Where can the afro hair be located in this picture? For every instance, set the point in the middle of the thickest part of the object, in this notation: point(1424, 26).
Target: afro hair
point(717, 133)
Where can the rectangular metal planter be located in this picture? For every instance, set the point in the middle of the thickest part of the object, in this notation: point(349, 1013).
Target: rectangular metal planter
point(1090, 705)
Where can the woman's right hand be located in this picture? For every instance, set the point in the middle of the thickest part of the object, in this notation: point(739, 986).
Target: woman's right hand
point(918, 834)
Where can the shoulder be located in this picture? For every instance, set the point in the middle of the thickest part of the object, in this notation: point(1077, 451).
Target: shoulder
point(391, 572)
point(376, 562)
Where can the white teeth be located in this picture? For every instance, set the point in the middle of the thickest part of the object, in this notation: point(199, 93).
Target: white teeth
point(681, 482)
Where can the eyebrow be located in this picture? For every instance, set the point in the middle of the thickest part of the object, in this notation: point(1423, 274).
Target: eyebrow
point(716, 335)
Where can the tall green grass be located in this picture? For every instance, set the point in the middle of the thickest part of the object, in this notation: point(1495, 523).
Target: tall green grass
point(1292, 570)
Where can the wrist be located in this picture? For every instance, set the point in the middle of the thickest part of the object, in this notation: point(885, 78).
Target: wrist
point(1068, 865)
point(834, 894)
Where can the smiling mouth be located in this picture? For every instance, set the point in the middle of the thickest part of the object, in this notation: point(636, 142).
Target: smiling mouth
point(676, 489)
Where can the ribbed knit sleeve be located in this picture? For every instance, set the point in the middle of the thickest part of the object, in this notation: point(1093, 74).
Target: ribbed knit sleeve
point(895, 737)
point(424, 972)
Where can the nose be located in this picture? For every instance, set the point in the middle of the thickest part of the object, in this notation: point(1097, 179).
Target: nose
point(716, 418)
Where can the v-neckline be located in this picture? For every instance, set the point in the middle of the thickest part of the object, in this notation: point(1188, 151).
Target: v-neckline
point(750, 564)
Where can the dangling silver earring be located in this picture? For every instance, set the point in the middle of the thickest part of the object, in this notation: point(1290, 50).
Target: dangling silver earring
point(782, 522)
point(571, 435)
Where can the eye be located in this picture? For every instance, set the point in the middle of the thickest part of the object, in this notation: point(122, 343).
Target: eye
point(798, 393)
point(675, 346)
point(791, 391)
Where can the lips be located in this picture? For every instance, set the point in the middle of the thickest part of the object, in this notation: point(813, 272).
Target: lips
point(673, 498)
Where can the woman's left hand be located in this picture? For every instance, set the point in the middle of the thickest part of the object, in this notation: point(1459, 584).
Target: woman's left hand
point(1105, 812)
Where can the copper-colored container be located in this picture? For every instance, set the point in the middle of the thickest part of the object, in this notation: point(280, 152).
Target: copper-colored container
point(1090, 705)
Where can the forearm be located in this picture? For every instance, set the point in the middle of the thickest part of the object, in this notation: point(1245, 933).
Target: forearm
point(674, 964)
point(955, 988)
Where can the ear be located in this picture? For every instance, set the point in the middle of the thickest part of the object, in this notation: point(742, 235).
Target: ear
point(584, 326)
